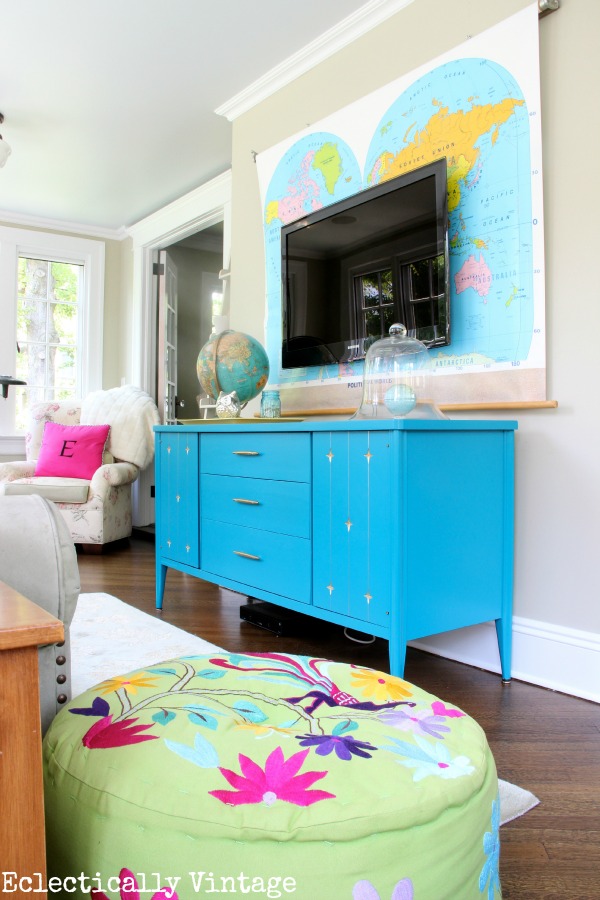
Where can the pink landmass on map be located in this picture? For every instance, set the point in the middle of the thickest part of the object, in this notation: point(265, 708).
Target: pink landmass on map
point(474, 273)
point(293, 205)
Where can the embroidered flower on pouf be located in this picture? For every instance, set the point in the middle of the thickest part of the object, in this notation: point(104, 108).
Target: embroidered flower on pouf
point(278, 781)
point(130, 682)
point(129, 889)
point(491, 847)
point(105, 733)
point(420, 721)
point(429, 758)
point(344, 747)
point(364, 890)
point(380, 686)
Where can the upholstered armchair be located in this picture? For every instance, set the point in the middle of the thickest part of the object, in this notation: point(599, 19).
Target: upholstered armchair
point(97, 509)
point(38, 559)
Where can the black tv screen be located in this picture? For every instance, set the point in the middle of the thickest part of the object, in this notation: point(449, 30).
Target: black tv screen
point(352, 269)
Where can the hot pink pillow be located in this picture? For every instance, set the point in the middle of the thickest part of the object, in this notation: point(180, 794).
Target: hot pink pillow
point(71, 451)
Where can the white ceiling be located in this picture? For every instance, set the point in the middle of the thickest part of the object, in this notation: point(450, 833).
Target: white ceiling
point(110, 106)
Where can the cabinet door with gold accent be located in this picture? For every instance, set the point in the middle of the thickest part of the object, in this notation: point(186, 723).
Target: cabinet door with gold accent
point(177, 514)
point(353, 554)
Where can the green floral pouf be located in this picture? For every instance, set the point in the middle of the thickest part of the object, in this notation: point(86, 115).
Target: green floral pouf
point(269, 775)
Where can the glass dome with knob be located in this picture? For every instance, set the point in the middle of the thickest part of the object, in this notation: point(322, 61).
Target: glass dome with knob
point(397, 380)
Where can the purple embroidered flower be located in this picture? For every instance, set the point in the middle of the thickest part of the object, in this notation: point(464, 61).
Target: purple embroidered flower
point(422, 722)
point(343, 746)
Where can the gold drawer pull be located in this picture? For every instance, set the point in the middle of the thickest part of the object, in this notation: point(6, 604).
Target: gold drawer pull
point(247, 502)
point(246, 555)
point(245, 452)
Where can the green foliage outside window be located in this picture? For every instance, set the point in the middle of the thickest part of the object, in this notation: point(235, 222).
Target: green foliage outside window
point(47, 331)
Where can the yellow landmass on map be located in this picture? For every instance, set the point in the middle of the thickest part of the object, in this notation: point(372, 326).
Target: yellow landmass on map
point(453, 135)
point(329, 163)
point(272, 211)
point(466, 359)
point(408, 130)
point(512, 295)
point(479, 243)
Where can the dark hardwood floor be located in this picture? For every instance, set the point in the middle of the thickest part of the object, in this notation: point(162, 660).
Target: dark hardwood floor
point(544, 741)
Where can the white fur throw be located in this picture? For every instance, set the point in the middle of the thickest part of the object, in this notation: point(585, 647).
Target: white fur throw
point(131, 413)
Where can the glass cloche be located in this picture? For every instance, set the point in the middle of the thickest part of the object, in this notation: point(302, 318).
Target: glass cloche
point(397, 380)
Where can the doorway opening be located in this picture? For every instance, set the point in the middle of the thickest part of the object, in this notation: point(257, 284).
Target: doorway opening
point(190, 305)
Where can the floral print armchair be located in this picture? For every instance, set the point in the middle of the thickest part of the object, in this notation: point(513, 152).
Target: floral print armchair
point(99, 510)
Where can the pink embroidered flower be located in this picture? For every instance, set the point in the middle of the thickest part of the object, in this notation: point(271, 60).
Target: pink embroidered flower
point(130, 889)
point(278, 781)
point(106, 733)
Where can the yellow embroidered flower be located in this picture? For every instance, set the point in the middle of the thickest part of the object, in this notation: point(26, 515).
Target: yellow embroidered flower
point(132, 683)
point(262, 730)
point(379, 686)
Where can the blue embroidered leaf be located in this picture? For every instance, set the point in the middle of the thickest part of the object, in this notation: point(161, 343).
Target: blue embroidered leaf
point(210, 673)
point(162, 671)
point(250, 711)
point(409, 750)
point(203, 719)
point(164, 716)
point(343, 727)
point(99, 707)
point(202, 754)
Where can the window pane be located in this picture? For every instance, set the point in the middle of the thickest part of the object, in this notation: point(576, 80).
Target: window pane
point(422, 314)
point(437, 275)
point(47, 330)
point(63, 323)
point(387, 288)
point(33, 278)
point(419, 276)
point(31, 320)
point(370, 290)
point(373, 323)
point(65, 281)
point(31, 364)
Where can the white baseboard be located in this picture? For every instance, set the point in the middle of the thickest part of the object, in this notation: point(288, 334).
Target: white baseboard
point(559, 658)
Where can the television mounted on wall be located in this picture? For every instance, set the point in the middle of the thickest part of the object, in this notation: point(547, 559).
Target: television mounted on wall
point(352, 269)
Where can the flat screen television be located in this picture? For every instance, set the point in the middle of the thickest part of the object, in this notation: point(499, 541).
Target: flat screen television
point(352, 269)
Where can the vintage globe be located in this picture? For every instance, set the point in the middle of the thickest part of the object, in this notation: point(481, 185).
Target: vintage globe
point(233, 361)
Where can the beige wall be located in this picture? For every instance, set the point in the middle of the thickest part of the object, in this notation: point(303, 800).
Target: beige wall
point(557, 577)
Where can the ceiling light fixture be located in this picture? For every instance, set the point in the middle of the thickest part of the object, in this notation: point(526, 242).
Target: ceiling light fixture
point(5, 150)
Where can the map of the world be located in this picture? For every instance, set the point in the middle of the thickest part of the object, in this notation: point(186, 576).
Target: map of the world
point(474, 112)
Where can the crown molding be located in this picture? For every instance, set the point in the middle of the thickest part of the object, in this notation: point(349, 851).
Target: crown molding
point(92, 231)
point(330, 42)
point(197, 209)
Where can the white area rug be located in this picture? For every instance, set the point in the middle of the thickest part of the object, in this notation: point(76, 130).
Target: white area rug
point(109, 637)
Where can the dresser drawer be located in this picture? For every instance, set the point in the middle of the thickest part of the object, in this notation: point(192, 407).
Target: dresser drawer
point(282, 506)
point(272, 562)
point(282, 457)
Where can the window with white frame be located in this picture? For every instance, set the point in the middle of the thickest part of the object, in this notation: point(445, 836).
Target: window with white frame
point(52, 292)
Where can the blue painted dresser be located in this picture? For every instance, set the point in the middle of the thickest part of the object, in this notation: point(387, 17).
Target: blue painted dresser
point(397, 528)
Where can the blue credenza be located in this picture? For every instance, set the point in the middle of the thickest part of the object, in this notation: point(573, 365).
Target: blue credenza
point(398, 528)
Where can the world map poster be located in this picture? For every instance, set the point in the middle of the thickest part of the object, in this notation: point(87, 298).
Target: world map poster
point(479, 106)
